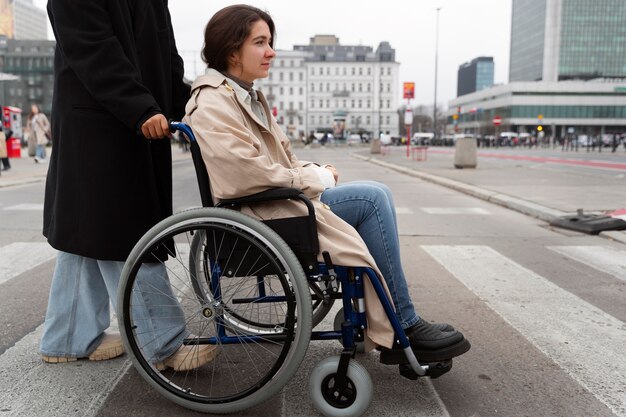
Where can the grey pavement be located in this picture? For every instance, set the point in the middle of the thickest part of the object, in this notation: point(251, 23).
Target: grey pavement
point(548, 184)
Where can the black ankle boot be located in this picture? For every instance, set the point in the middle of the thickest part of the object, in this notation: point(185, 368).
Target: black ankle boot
point(429, 344)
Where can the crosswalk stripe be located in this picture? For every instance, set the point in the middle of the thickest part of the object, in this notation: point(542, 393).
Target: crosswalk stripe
point(25, 207)
point(17, 258)
point(455, 210)
point(32, 388)
point(602, 258)
point(547, 316)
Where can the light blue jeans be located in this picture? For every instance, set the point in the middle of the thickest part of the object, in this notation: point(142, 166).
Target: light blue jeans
point(368, 207)
point(78, 308)
point(40, 151)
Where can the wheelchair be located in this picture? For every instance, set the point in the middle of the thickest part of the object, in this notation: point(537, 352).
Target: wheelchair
point(255, 291)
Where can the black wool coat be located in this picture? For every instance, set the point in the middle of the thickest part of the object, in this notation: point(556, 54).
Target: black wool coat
point(115, 64)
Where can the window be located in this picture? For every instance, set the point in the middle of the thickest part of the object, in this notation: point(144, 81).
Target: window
point(300, 105)
point(321, 119)
point(312, 104)
point(360, 87)
point(312, 87)
point(321, 87)
point(281, 106)
point(352, 87)
point(388, 105)
point(291, 105)
point(369, 70)
point(281, 62)
point(312, 119)
point(300, 90)
point(291, 91)
point(389, 71)
point(344, 70)
point(360, 103)
point(271, 76)
point(280, 76)
point(321, 104)
point(281, 90)
point(389, 87)
point(300, 76)
point(369, 104)
point(290, 120)
point(327, 86)
point(291, 75)
point(352, 103)
point(291, 63)
point(368, 120)
point(388, 119)
point(353, 71)
point(327, 103)
point(369, 87)
point(360, 71)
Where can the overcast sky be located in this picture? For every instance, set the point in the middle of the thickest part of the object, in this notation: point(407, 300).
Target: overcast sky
point(467, 29)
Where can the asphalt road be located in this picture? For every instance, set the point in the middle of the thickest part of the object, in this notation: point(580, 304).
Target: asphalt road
point(544, 309)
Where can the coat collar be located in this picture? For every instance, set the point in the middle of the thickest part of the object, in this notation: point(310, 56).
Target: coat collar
point(214, 78)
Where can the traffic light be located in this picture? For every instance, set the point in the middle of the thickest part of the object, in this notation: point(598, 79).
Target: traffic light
point(539, 128)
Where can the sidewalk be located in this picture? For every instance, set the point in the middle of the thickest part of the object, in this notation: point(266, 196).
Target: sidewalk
point(536, 182)
point(24, 170)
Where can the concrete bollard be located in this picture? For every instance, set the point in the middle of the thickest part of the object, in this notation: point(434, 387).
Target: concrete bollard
point(465, 153)
point(375, 146)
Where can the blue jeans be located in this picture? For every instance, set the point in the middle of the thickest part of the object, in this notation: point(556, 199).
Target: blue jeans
point(368, 207)
point(40, 151)
point(78, 308)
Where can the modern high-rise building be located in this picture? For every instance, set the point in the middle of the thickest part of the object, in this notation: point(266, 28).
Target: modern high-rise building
point(329, 87)
point(554, 40)
point(475, 75)
point(23, 20)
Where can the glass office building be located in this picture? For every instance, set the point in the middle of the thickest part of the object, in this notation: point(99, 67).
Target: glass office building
point(553, 40)
point(475, 75)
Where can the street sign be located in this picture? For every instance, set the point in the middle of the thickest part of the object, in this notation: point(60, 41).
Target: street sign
point(408, 90)
point(408, 117)
point(497, 121)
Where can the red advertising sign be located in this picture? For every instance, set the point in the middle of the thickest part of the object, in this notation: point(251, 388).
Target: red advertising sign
point(497, 121)
point(408, 90)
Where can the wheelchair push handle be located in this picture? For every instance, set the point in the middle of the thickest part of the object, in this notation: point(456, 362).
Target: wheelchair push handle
point(182, 127)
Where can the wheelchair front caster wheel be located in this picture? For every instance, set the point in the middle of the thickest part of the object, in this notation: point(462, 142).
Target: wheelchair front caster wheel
point(355, 399)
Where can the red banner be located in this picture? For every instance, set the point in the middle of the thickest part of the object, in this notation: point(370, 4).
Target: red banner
point(408, 90)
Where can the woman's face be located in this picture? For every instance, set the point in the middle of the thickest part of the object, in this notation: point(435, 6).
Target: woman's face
point(252, 61)
point(34, 109)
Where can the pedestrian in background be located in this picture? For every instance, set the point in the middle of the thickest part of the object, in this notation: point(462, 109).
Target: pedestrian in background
point(4, 153)
point(39, 127)
point(118, 79)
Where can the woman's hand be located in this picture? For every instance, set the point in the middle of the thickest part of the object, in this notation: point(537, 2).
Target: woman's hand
point(156, 127)
point(334, 171)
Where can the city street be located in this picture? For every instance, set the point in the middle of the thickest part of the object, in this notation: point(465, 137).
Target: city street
point(544, 308)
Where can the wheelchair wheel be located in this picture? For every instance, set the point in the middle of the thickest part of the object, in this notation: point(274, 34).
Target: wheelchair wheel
point(201, 281)
point(164, 300)
point(356, 398)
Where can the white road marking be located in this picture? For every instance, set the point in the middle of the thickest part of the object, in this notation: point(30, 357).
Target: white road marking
point(403, 210)
point(17, 258)
point(455, 210)
point(602, 258)
point(584, 340)
point(25, 207)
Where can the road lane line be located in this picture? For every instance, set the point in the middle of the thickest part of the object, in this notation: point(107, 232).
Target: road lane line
point(584, 341)
point(19, 257)
point(602, 258)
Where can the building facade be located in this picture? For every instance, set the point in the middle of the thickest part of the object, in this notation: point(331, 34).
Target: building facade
point(22, 20)
point(328, 87)
point(32, 61)
point(560, 108)
point(554, 40)
point(475, 75)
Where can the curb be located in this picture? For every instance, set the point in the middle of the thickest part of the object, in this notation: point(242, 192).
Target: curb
point(513, 203)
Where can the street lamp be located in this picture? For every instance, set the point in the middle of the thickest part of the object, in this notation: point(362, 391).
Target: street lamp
point(436, 63)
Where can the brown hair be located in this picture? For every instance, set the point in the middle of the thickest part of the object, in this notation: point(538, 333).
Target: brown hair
point(227, 30)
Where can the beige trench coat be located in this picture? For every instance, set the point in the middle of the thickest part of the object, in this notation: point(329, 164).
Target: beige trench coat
point(243, 157)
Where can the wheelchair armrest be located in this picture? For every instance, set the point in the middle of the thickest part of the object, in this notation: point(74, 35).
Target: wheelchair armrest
point(271, 195)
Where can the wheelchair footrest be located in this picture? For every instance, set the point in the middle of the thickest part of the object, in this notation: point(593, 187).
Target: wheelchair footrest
point(435, 369)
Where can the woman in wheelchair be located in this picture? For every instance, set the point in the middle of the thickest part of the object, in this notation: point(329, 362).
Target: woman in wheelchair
point(246, 152)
